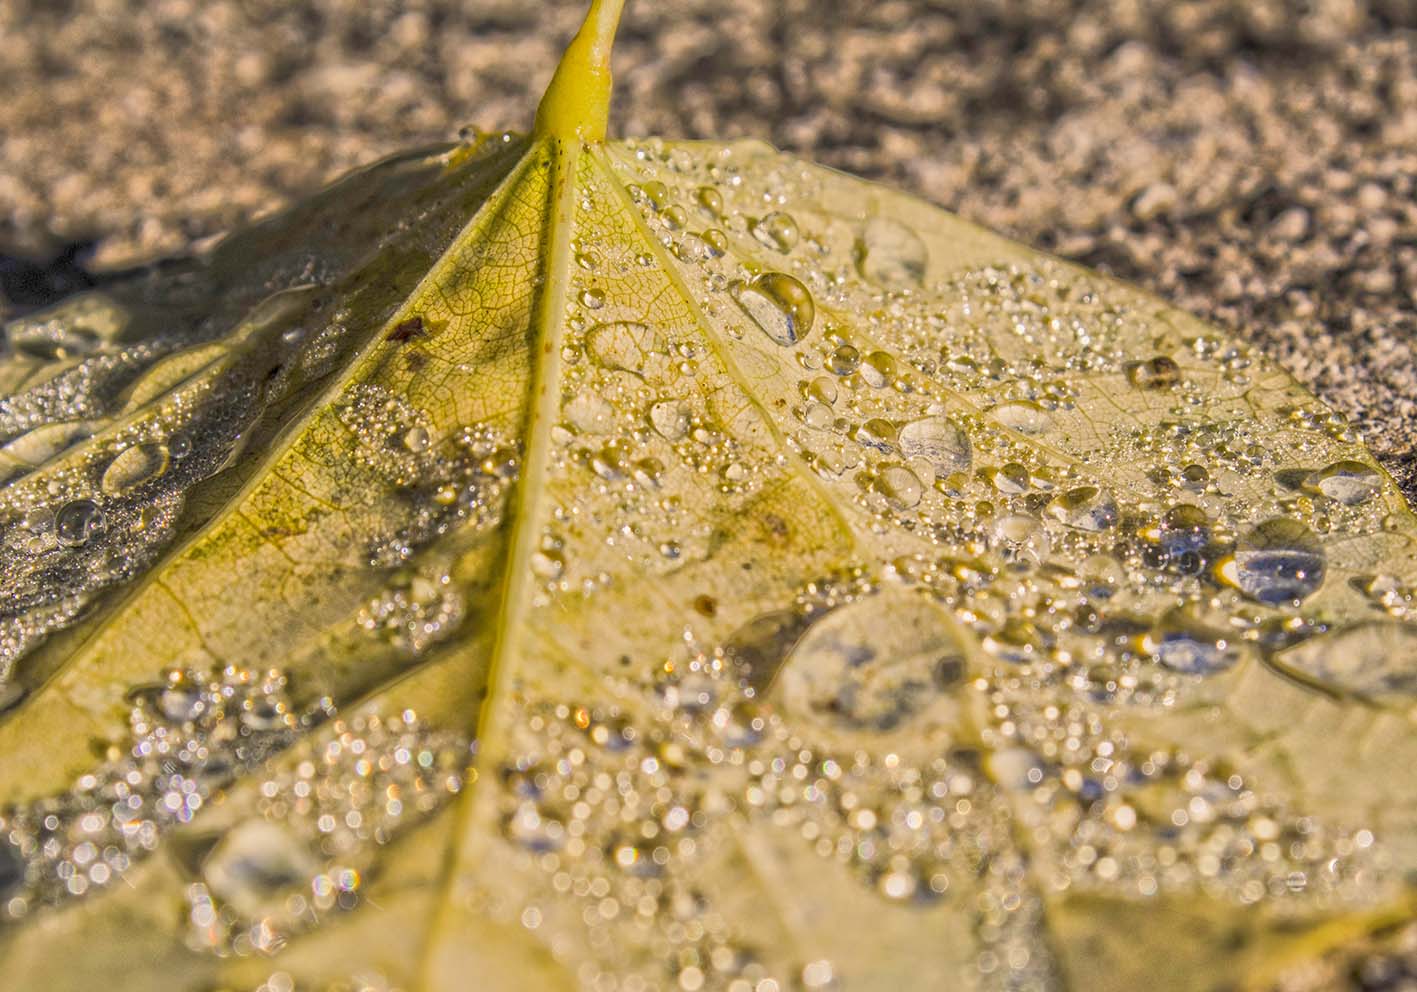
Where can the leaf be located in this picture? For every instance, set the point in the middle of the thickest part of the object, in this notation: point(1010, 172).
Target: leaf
point(543, 562)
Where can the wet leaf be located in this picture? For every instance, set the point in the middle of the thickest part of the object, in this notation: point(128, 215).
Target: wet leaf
point(568, 563)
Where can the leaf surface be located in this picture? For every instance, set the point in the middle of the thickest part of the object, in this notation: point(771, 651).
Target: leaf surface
point(539, 564)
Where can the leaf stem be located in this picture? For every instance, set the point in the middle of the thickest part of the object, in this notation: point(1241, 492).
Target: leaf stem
point(576, 105)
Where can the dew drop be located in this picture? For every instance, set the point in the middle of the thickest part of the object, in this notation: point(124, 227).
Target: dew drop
point(1020, 538)
point(1154, 373)
point(1023, 416)
point(254, 863)
point(878, 434)
point(1349, 482)
point(590, 413)
point(939, 441)
point(622, 345)
point(77, 521)
point(1279, 561)
point(670, 419)
point(1086, 508)
point(879, 369)
point(877, 665)
point(1011, 479)
point(1183, 529)
point(716, 241)
point(1183, 644)
point(779, 304)
point(134, 466)
point(593, 298)
point(843, 360)
point(890, 254)
point(900, 486)
point(1371, 659)
point(417, 440)
point(711, 200)
point(777, 230)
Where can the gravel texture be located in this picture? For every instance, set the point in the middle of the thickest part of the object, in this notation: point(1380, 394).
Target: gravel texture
point(1253, 160)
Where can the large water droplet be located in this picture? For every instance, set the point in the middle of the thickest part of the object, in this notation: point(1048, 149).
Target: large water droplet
point(1280, 561)
point(254, 864)
point(900, 486)
point(134, 466)
point(777, 230)
point(1349, 482)
point(622, 345)
point(77, 521)
point(876, 665)
point(938, 441)
point(1373, 660)
point(1020, 538)
point(779, 304)
point(1183, 529)
point(671, 419)
point(1154, 373)
point(1182, 643)
point(1086, 508)
point(1023, 416)
point(890, 254)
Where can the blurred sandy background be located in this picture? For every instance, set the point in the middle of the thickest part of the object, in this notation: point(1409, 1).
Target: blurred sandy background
point(1253, 160)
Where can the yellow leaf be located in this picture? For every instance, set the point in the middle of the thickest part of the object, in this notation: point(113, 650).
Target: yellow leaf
point(545, 562)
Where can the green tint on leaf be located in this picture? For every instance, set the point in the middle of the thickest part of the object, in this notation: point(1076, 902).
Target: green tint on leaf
point(540, 564)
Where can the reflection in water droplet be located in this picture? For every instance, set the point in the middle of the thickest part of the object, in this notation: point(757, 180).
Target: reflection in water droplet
point(878, 434)
point(593, 299)
point(1183, 529)
point(1280, 561)
point(1372, 660)
point(875, 665)
point(779, 304)
point(1182, 643)
point(1021, 538)
point(622, 345)
point(777, 230)
point(879, 369)
point(938, 441)
point(1349, 482)
point(254, 864)
point(1154, 373)
point(890, 254)
point(134, 466)
point(900, 486)
point(843, 360)
point(1023, 416)
point(671, 419)
point(1084, 508)
point(1011, 479)
point(77, 521)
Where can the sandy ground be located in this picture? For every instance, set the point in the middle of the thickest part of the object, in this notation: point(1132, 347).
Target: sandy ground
point(1253, 160)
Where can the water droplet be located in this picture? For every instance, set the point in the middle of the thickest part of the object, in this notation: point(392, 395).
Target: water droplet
point(843, 360)
point(593, 298)
point(878, 434)
point(1021, 538)
point(877, 665)
point(1180, 642)
point(1086, 508)
point(623, 345)
point(1371, 659)
point(671, 419)
point(1011, 479)
point(1349, 482)
point(1023, 416)
point(417, 440)
point(711, 200)
point(777, 230)
point(253, 865)
point(656, 193)
point(879, 369)
point(900, 486)
point(134, 466)
point(890, 254)
point(77, 521)
point(779, 304)
point(1015, 768)
point(1154, 373)
point(590, 413)
point(716, 241)
point(1183, 529)
point(1279, 561)
point(939, 441)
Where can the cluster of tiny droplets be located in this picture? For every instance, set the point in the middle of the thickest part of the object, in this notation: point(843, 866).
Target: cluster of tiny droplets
point(308, 849)
point(191, 735)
